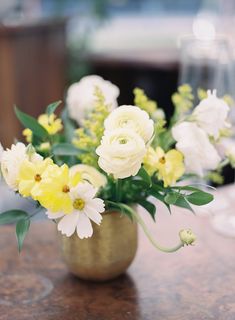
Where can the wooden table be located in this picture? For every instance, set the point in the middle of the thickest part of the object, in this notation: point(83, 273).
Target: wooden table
point(196, 283)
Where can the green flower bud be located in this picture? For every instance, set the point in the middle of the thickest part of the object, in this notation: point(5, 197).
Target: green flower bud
point(187, 237)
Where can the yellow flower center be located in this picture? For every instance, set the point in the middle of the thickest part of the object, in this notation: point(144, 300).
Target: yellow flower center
point(65, 189)
point(162, 160)
point(79, 204)
point(37, 177)
point(123, 141)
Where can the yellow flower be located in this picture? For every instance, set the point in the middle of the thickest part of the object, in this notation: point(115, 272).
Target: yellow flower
point(30, 175)
point(50, 123)
point(53, 191)
point(27, 133)
point(150, 161)
point(44, 147)
point(169, 166)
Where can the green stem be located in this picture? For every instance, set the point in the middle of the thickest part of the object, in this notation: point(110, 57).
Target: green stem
point(154, 243)
point(39, 209)
point(118, 190)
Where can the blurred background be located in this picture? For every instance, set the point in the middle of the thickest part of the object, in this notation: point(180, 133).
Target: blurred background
point(45, 45)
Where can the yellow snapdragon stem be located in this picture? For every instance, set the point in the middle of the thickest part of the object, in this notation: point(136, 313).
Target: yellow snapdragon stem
point(149, 236)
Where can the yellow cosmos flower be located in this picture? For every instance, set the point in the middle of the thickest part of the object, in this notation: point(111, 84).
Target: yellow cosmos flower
point(150, 161)
point(170, 166)
point(30, 175)
point(54, 190)
point(50, 123)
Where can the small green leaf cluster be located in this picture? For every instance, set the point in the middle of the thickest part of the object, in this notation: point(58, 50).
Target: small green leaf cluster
point(88, 137)
point(183, 99)
point(57, 146)
point(143, 102)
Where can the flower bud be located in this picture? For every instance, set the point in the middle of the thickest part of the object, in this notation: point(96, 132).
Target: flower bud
point(187, 237)
point(30, 150)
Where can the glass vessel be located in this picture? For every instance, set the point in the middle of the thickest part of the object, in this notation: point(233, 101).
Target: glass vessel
point(207, 64)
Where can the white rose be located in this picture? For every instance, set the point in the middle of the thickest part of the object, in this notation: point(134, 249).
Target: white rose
point(211, 114)
point(11, 161)
point(133, 118)
point(121, 153)
point(193, 142)
point(90, 174)
point(81, 98)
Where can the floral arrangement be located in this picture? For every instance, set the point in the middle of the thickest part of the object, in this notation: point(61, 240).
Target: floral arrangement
point(97, 157)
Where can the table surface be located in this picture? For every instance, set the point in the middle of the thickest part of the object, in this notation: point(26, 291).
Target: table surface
point(195, 283)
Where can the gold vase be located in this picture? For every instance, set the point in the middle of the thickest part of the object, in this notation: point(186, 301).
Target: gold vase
point(107, 254)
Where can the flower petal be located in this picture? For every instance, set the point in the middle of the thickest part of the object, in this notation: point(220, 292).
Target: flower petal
point(54, 215)
point(68, 223)
point(93, 214)
point(84, 227)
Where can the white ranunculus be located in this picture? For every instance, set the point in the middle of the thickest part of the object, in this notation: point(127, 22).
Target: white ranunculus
point(87, 208)
point(1, 151)
point(11, 161)
point(90, 174)
point(81, 96)
point(211, 114)
point(193, 142)
point(133, 118)
point(121, 153)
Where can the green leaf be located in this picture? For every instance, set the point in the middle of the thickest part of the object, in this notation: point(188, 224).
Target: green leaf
point(143, 174)
point(172, 197)
point(160, 197)
point(181, 202)
point(22, 228)
point(138, 183)
point(12, 216)
point(150, 207)
point(65, 149)
point(186, 188)
point(51, 108)
point(31, 123)
point(200, 198)
point(69, 125)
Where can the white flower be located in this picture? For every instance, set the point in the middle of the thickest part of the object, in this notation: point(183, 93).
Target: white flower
point(86, 208)
point(121, 153)
point(11, 161)
point(226, 148)
point(90, 174)
point(1, 151)
point(193, 142)
point(130, 117)
point(211, 114)
point(81, 96)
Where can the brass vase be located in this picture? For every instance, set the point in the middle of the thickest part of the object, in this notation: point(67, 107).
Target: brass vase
point(107, 254)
